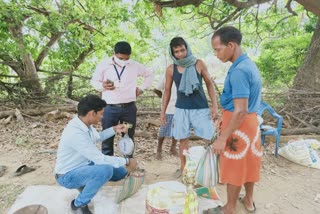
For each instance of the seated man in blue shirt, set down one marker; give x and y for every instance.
(80, 165)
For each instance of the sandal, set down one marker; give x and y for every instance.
(23, 170)
(216, 210)
(247, 209)
(177, 174)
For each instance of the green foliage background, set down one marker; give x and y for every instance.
(277, 46)
(280, 59)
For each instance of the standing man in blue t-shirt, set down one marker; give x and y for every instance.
(239, 142)
(192, 108)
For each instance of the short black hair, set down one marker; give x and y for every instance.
(122, 48)
(228, 34)
(177, 41)
(89, 103)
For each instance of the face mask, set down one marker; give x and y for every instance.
(121, 62)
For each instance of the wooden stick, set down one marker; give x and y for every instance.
(301, 121)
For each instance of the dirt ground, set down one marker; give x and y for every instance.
(285, 187)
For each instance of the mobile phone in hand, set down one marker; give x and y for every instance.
(110, 82)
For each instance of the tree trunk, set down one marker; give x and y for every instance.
(304, 97)
(311, 5)
(27, 71)
(70, 86)
(308, 76)
(29, 76)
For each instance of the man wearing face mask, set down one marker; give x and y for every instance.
(116, 77)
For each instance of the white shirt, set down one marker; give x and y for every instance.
(125, 88)
(172, 102)
(77, 147)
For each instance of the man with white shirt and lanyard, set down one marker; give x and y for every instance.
(116, 77)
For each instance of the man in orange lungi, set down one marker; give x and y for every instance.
(239, 142)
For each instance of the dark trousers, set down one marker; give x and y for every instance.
(112, 116)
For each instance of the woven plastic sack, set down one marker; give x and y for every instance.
(131, 184)
(302, 151)
(166, 198)
(126, 145)
(207, 173)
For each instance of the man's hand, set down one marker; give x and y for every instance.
(138, 92)
(108, 85)
(219, 145)
(163, 119)
(214, 113)
(132, 165)
(121, 128)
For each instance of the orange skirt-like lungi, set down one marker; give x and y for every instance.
(241, 161)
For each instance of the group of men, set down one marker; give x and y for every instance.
(80, 165)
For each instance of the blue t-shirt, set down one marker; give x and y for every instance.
(243, 81)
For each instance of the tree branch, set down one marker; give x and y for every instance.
(64, 74)
(83, 8)
(281, 20)
(288, 6)
(53, 39)
(77, 62)
(9, 61)
(3, 85)
(246, 4)
(56, 36)
(39, 10)
(8, 76)
(11, 64)
(85, 26)
(178, 3)
(234, 15)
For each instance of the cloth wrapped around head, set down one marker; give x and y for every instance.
(189, 80)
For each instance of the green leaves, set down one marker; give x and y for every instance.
(69, 37)
(280, 59)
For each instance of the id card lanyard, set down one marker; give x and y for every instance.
(119, 75)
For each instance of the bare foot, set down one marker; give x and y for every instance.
(158, 156)
(174, 152)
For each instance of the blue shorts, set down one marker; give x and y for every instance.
(166, 131)
(198, 119)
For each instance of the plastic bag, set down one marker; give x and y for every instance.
(302, 151)
(193, 156)
(207, 173)
(126, 145)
